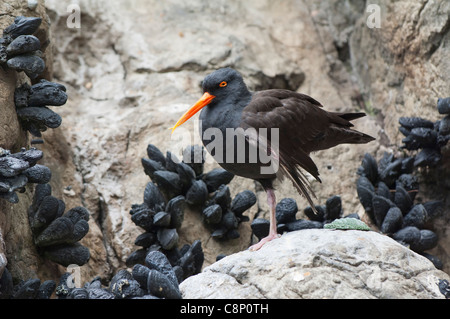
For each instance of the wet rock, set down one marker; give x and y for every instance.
(31, 64)
(23, 44)
(22, 26)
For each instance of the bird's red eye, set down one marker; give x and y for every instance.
(223, 84)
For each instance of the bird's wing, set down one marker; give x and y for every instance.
(301, 123)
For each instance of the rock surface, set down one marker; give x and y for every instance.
(320, 263)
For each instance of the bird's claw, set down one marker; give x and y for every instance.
(263, 241)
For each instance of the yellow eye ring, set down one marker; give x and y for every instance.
(223, 84)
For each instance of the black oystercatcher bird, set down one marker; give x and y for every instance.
(286, 125)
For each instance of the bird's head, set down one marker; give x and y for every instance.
(217, 86)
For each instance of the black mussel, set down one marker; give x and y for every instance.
(167, 237)
(192, 259)
(168, 182)
(66, 255)
(407, 165)
(300, 224)
(60, 231)
(136, 257)
(28, 289)
(365, 196)
(333, 208)
(10, 166)
(221, 197)
(229, 220)
(363, 181)
(444, 126)
(46, 289)
(217, 177)
(161, 219)
(38, 174)
(390, 172)
(443, 105)
(220, 256)
(140, 274)
(32, 156)
(420, 137)
(12, 184)
(175, 207)
(369, 168)
(158, 261)
(143, 217)
(392, 221)
(383, 190)
(172, 162)
(260, 227)
(31, 64)
(156, 155)
(78, 293)
(243, 201)
(197, 193)
(408, 236)
(153, 198)
(387, 159)
(428, 240)
(402, 199)
(417, 216)
(187, 175)
(444, 288)
(405, 131)
(428, 157)
(40, 192)
(285, 210)
(46, 213)
(219, 233)
(100, 293)
(47, 93)
(435, 260)
(22, 25)
(410, 183)
(39, 116)
(23, 44)
(380, 206)
(145, 240)
(413, 122)
(6, 284)
(150, 166)
(159, 285)
(319, 215)
(124, 286)
(194, 156)
(212, 214)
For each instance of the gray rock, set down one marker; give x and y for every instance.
(320, 263)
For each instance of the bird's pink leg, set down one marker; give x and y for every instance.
(273, 222)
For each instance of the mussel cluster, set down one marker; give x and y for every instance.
(31, 105)
(19, 49)
(387, 190)
(18, 169)
(426, 135)
(25, 289)
(285, 214)
(155, 279)
(56, 234)
(174, 186)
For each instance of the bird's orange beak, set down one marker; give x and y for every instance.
(204, 101)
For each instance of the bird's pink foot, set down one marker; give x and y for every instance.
(263, 241)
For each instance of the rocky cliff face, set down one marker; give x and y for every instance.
(130, 71)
